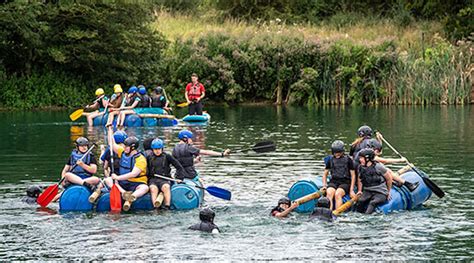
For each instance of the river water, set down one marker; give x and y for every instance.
(439, 140)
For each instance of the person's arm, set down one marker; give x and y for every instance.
(186, 94)
(180, 172)
(325, 177)
(287, 211)
(214, 153)
(91, 168)
(94, 105)
(359, 185)
(134, 173)
(66, 169)
(388, 180)
(106, 168)
(110, 138)
(353, 179)
(389, 160)
(203, 92)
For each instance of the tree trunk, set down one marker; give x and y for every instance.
(279, 98)
(472, 93)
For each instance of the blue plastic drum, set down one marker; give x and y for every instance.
(302, 188)
(141, 204)
(133, 120)
(75, 199)
(186, 196)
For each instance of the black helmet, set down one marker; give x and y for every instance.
(323, 202)
(368, 154)
(132, 142)
(337, 146)
(147, 143)
(284, 200)
(207, 215)
(82, 141)
(158, 90)
(364, 131)
(33, 191)
(375, 144)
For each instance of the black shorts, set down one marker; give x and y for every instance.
(346, 186)
(158, 182)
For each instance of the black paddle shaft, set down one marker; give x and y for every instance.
(266, 146)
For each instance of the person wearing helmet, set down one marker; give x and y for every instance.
(147, 151)
(206, 216)
(364, 134)
(374, 182)
(145, 99)
(32, 193)
(185, 153)
(195, 92)
(117, 101)
(97, 108)
(158, 99)
(322, 211)
(343, 177)
(119, 137)
(132, 101)
(159, 163)
(83, 173)
(376, 145)
(131, 175)
(284, 208)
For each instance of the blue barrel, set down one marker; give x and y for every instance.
(186, 196)
(100, 120)
(205, 117)
(142, 203)
(133, 120)
(150, 122)
(75, 199)
(302, 188)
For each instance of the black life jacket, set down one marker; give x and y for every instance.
(183, 155)
(158, 165)
(322, 213)
(146, 101)
(158, 101)
(204, 226)
(355, 149)
(276, 209)
(369, 176)
(129, 102)
(116, 161)
(340, 168)
(101, 102)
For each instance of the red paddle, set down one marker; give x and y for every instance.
(48, 195)
(115, 196)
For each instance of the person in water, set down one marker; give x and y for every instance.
(343, 177)
(284, 208)
(133, 100)
(195, 92)
(374, 180)
(322, 210)
(83, 173)
(185, 153)
(375, 145)
(96, 108)
(32, 193)
(131, 176)
(364, 134)
(206, 216)
(145, 99)
(159, 163)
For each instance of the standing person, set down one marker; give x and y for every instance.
(131, 177)
(364, 134)
(343, 176)
(284, 208)
(83, 173)
(374, 182)
(145, 99)
(195, 92)
(185, 152)
(133, 100)
(160, 163)
(97, 107)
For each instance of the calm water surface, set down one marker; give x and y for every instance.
(439, 140)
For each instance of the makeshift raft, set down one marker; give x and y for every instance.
(401, 197)
(134, 120)
(204, 118)
(183, 197)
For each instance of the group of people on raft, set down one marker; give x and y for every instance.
(122, 104)
(362, 167)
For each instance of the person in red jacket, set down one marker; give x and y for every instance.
(195, 92)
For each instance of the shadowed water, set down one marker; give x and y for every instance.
(439, 140)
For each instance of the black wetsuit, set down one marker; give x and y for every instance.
(322, 213)
(185, 154)
(161, 165)
(204, 227)
(374, 187)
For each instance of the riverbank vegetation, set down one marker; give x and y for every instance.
(377, 53)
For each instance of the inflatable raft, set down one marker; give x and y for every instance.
(134, 120)
(401, 197)
(204, 118)
(183, 197)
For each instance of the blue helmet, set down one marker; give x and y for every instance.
(185, 134)
(132, 89)
(157, 144)
(120, 136)
(142, 90)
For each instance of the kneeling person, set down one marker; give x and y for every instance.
(159, 163)
(206, 216)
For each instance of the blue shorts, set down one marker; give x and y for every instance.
(129, 186)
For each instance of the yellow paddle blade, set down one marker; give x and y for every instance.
(184, 104)
(76, 115)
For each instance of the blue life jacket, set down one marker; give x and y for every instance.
(75, 156)
(127, 162)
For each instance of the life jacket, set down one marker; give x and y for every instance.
(158, 101)
(355, 149)
(146, 101)
(158, 165)
(101, 102)
(127, 162)
(116, 159)
(195, 91)
(75, 156)
(369, 176)
(129, 102)
(204, 226)
(181, 153)
(277, 209)
(340, 168)
(322, 213)
(117, 101)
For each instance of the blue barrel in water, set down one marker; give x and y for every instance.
(186, 196)
(75, 199)
(142, 203)
(100, 120)
(133, 120)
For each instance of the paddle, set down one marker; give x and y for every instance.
(310, 197)
(48, 195)
(78, 113)
(346, 205)
(183, 104)
(261, 147)
(213, 190)
(431, 185)
(115, 196)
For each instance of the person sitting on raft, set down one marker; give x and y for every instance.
(185, 153)
(322, 210)
(97, 107)
(32, 193)
(284, 208)
(119, 137)
(375, 145)
(194, 93)
(158, 100)
(343, 176)
(374, 180)
(160, 163)
(116, 102)
(206, 216)
(132, 101)
(147, 151)
(83, 173)
(364, 135)
(131, 177)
